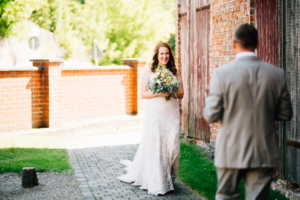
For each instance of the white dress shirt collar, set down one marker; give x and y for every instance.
(244, 54)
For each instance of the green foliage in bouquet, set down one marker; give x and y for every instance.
(163, 81)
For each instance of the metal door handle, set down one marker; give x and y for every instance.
(198, 116)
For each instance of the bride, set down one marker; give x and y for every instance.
(155, 164)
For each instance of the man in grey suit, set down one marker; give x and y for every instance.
(247, 95)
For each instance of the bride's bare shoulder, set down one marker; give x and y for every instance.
(147, 71)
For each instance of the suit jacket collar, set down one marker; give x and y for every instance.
(247, 58)
(245, 53)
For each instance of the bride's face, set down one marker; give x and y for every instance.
(163, 55)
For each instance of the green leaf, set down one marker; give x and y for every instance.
(123, 28)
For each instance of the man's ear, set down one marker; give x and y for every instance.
(233, 44)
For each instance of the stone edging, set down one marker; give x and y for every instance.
(34, 68)
(97, 68)
(9, 69)
(287, 193)
(135, 59)
(47, 60)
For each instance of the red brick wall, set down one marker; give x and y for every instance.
(30, 99)
(226, 16)
(21, 99)
(94, 93)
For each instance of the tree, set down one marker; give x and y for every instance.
(138, 27)
(172, 42)
(123, 28)
(12, 11)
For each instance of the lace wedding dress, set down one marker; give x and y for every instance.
(155, 164)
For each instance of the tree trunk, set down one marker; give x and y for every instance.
(29, 178)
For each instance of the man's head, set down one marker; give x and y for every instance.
(245, 39)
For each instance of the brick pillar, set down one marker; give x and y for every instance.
(138, 67)
(52, 90)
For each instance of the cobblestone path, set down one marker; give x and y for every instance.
(96, 170)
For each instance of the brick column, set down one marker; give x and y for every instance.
(52, 90)
(138, 65)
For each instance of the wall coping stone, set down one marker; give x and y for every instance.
(33, 68)
(135, 59)
(97, 68)
(47, 60)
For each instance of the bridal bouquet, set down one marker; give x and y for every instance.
(163, 81)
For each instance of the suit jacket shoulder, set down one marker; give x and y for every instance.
(225, 68)
(271, 67)
(223, 71)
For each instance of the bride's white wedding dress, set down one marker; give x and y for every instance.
(155, 165)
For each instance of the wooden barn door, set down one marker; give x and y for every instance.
(279, 44)
(268, 31)
(195, 21)
(199, 67)
(202, 63)
(185, 51)
(290, 62)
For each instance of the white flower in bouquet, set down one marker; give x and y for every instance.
(163, 81)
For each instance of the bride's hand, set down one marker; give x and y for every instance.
(163, 94)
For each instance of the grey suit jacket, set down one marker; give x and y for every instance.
(247, 95)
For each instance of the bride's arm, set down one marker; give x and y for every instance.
(180, 92)
(145, 94)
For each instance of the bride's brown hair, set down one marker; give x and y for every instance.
(170, 65)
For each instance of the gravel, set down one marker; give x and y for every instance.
(51, 186)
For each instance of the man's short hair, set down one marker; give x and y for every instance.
(246, 35)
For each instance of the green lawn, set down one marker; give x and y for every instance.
(14, 159)
(199, 173)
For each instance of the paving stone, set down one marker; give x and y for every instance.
(96, 170)
(87, 194)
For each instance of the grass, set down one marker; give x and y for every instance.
(198, 172)
(14, 159)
